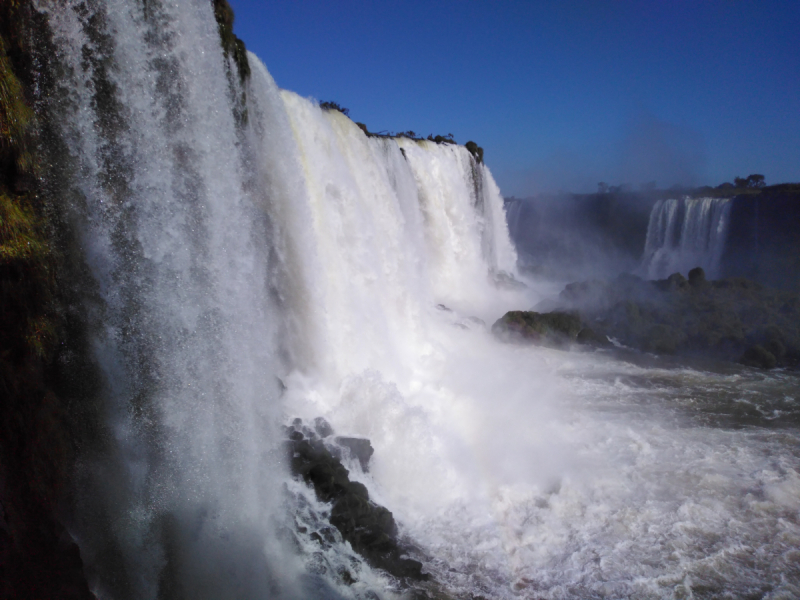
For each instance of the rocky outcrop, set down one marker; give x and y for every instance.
(732, 319)
(554, 329)
(316, 457)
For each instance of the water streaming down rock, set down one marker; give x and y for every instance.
(685, 233)
(175, 234)
(224, 253)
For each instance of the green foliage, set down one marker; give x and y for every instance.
(232, 46)
(442, 139)
(334, 106)
(15, 115)
(408, 134)
(475, 150)
(753, 181)
(26, 282)
(16, 121)
(20, 231)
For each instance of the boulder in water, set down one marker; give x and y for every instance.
(369, 528)
(360, 449)
(721, 319)
(555, 329)
(758, 356)
(590, 337)
(697, 277)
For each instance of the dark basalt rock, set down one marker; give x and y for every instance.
(555, 329)
(697, 277)
(322, 427)
(369, 528)
(360, 448)
(232, 46)
(673, 283)
(38, 410)
(590, 337)
(731, 319)
(758, 356)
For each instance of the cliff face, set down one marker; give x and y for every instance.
(50, 391)
(38, 558)
(763, 242)
(573, 237)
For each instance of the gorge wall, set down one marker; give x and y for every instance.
(185, 246)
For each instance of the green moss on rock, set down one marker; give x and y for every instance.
(475, 150)
(232, 46)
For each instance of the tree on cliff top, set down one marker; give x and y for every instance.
(753, 181)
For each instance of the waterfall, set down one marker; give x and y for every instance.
(227, 249)
(686, 233)
(245, 258)
(175, 233)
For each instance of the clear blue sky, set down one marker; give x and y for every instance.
(560, 94)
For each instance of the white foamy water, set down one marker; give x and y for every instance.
(686, 233)
(525, 472)
(360, 270)
(182, 499)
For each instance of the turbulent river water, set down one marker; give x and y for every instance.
(259, 260)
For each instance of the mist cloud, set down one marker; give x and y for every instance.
(661, 151)
(647, 149)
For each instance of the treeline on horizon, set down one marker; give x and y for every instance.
(753, 184)
(473, 148)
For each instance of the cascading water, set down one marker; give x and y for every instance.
(685, 233)
(227, 252)
(175, 235)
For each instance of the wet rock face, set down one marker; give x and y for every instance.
(554, 329)
(359, 448)
(760, 357)
(370, 529)
(731, 319)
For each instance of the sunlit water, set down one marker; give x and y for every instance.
(227, 254)
(532, 473)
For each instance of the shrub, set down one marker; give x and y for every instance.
(335, 106)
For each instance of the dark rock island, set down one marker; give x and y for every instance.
(731, 319)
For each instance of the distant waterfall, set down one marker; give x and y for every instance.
(686, 233)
